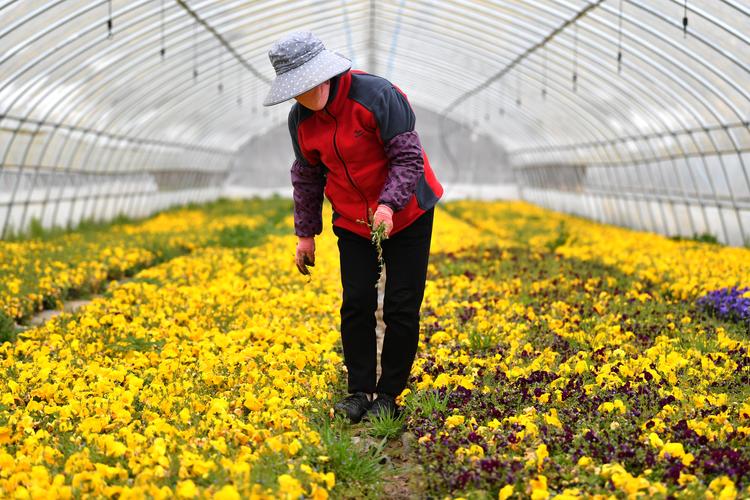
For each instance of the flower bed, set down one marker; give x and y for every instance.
(572, 359)
(41, 273)
(732, 304)
(558, 358)
(194, 377)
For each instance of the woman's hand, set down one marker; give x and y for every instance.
(383, 215)
(305, 254)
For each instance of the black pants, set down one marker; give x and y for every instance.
(406, 255)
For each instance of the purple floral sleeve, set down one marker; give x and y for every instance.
(407, 165)
(308, 182)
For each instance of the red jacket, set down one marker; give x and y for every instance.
(361, 148)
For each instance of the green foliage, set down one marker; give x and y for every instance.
(239, 237)
(353, 466)
(274, 211)
(36, 230)
(561, 239)
(8, 330)
(482, 341)
(699, 238)
(706, 238)
(276, 207)
(386, 425)
(427, 402)
(358, 467)
(378, 236)
(267, 468)
(132, 343)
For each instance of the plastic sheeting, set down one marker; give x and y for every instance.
(646, 102)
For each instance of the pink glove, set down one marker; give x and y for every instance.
(305, 254)
(383, 215)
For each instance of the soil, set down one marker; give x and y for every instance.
(403, 479)
(71, 306)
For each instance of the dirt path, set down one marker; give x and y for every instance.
(403, 479)
(70, 306)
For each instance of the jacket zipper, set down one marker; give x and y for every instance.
(343, 163)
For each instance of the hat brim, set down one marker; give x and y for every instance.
(299, 80)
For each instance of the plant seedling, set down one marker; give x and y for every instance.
(386, 425)
(377, 237)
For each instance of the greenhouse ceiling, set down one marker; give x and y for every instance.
(192, 73)
(173, 85)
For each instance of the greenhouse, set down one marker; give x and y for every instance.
(375, 249)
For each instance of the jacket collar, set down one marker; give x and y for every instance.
(339, 89)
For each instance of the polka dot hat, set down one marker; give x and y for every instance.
(301, 63)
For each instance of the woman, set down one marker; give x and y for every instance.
(354, 139)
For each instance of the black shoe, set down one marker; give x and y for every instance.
(353, 406)
(385, 404)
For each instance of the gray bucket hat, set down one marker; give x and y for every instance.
(301, 63)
